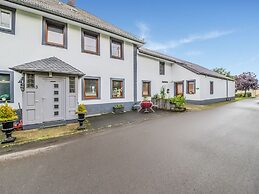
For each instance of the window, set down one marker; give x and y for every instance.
(6, 86)
(191, 87)
(30, 81)
(116, 49)
(91, 88)
(117, 88)
(72, 85)
(55, 33)
(90, 42)
(7, 19)
(146, 88)
(211, 87)
(162, 68)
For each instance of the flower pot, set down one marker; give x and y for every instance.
(8, 130)
(81, 119)
(118, 110)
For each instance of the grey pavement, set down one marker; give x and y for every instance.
(211, 151)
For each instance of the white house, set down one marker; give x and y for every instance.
(54, 56)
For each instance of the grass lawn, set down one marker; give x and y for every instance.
(23, 137)
(192, 107)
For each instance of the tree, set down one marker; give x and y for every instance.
(223, 71)
(246, 81)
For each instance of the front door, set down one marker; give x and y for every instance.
(53, 99)
(179, 89)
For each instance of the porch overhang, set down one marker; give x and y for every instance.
(48, 65)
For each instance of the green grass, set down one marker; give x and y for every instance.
(23, 137)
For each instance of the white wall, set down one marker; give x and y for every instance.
(26, 46)
(148, 70)
(220, 88)
(181, 74)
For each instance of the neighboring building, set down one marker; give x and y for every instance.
(54, 56)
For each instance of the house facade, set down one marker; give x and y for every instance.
(55, 56)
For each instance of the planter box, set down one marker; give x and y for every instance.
(118, 110)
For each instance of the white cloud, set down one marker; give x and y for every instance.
(145, 30)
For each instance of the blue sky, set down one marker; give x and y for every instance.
(216, 33)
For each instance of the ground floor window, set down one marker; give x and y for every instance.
(146, 88)
(6, 86)
(117, 87)
(91, 88)
(179, 88)
(191, 87)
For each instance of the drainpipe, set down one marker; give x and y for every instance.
(135, 73)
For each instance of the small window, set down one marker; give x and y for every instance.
(90, 42)
(162, 68)
(117, 88)
(7, 19)
(55, 33)
(72, 85)
(55, 85)
(56, 113)
(56, 106)
(211, 87)
(5, 87)
(91, 88)
(56, 99)
(56, 93)
(146, 88)
(30, 81)
(191, 87)
(116, 49)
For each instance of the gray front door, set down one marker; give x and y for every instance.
(53, 99)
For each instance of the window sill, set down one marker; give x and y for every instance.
(91, 53)
(55, 45)
(119, 58)
(7, 31)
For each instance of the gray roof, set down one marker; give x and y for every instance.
(51, 64)
(75, 14)
(187, 65)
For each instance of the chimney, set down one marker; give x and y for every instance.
(71, 2)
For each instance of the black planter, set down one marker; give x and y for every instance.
(8, 130)
(81, 119)
(118, 110)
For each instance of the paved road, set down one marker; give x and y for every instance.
(213, 151)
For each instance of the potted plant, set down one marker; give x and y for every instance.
(119, 108)
(7, 118)
(81, 112)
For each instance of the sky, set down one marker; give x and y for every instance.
(211, 33)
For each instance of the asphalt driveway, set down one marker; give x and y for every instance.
(212, 151)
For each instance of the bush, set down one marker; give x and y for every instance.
(7, 113)
(118, 106)
(179, 101)
(239, 95)
(248, 94)
(81, 109)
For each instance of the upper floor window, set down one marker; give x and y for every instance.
(90, 42)
(7, 19)
(191, 87)
(117, 49)
(6, 86)
(211, 87)
(162, 68)
(54, 33)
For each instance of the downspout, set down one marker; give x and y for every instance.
(227, 90)
(135, 73)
